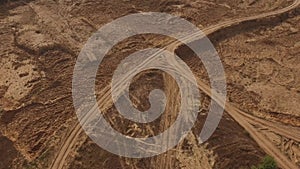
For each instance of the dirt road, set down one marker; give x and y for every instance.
(105, 101)
(245, 120)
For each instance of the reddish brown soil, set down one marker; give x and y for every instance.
(40, 41)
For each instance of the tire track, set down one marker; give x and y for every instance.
(105, 101)
(245, 120)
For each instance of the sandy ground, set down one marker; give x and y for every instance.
(40, 41)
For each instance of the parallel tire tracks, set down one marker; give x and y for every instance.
(245, 120)
(105, 101)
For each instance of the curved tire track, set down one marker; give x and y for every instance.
(105, 101)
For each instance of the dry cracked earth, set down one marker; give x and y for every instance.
(40, 41)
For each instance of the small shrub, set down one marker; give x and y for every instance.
(267, 163)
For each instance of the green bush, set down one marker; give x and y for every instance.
(267, 163)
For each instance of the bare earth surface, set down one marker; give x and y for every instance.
(258, 43)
